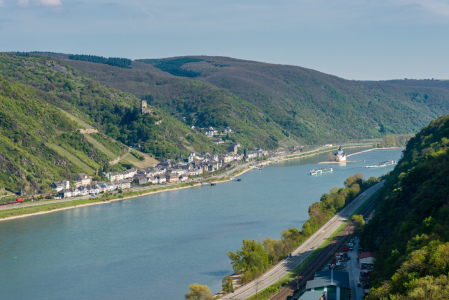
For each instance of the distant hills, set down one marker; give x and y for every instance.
(266, 105)
(302, 104)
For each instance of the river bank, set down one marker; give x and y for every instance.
(78, 203)
(155, 246)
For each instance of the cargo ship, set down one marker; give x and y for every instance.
(383, 164)
(321, 171)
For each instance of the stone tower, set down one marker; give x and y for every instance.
(145, 109)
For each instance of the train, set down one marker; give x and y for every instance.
(18, 200)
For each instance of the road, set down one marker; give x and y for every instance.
(303, 251)
(353, 270)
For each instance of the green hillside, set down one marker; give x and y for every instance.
(39, 144)
(44, 103)
(109, 110)
(410, 232)
(285, 101)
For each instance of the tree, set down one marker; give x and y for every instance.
(226, 284)
(198, 292)
(252, 257)
(358, 220)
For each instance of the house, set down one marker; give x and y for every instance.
(165, 164)
(60, 185)
(233, 148)
(129, 173)
(173, 178)
(227, 130)
(195, 171)
(67, 193)
(183, 178)
(238, 156)
(140, 179)
(366, 260)
(161, 179)
(83, 190)
(217, 142)
(82, 179)
(102, 187)
(110, 186)
(334, 283)
(152, 180)
(123, 184)
(114, 176)
(319, 295)
(93, 189)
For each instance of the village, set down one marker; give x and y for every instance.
(167, 171)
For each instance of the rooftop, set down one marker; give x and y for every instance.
(329, 278)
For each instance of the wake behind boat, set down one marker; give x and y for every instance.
(321, 171)
(383, 164)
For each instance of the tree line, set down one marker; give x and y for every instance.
(112, 61)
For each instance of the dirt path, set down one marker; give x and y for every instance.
(89, 130)
(115, 161)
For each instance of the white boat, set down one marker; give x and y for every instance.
(383, 164)
(321, 171)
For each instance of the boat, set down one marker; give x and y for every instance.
(239, 179)
(387, 163)
(383, 164)
(321, 171)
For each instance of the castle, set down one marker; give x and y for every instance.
(145, 109)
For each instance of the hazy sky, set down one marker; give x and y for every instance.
(353, 39)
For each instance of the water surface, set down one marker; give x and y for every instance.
(155, 246)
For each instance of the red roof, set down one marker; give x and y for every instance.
(366, 254)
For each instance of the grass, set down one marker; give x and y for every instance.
(100, 146)
(6, 194)
(80, 122)
(72, 158)
(148, 162)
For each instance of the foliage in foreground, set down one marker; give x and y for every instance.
(410, 232)
(198, 292)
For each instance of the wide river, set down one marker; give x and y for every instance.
(155, 246)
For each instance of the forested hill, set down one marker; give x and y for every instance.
(306, 105)
(410, 231)
(44, 103)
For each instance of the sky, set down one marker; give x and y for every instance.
(352, 39)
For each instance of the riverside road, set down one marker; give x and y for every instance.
(302, 252)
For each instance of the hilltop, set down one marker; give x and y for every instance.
(289, 103)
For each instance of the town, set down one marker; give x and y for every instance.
(167, 171)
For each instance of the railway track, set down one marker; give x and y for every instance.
(321, 260)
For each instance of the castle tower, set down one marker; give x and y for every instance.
(145, 109)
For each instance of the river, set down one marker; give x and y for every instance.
(155, 246)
